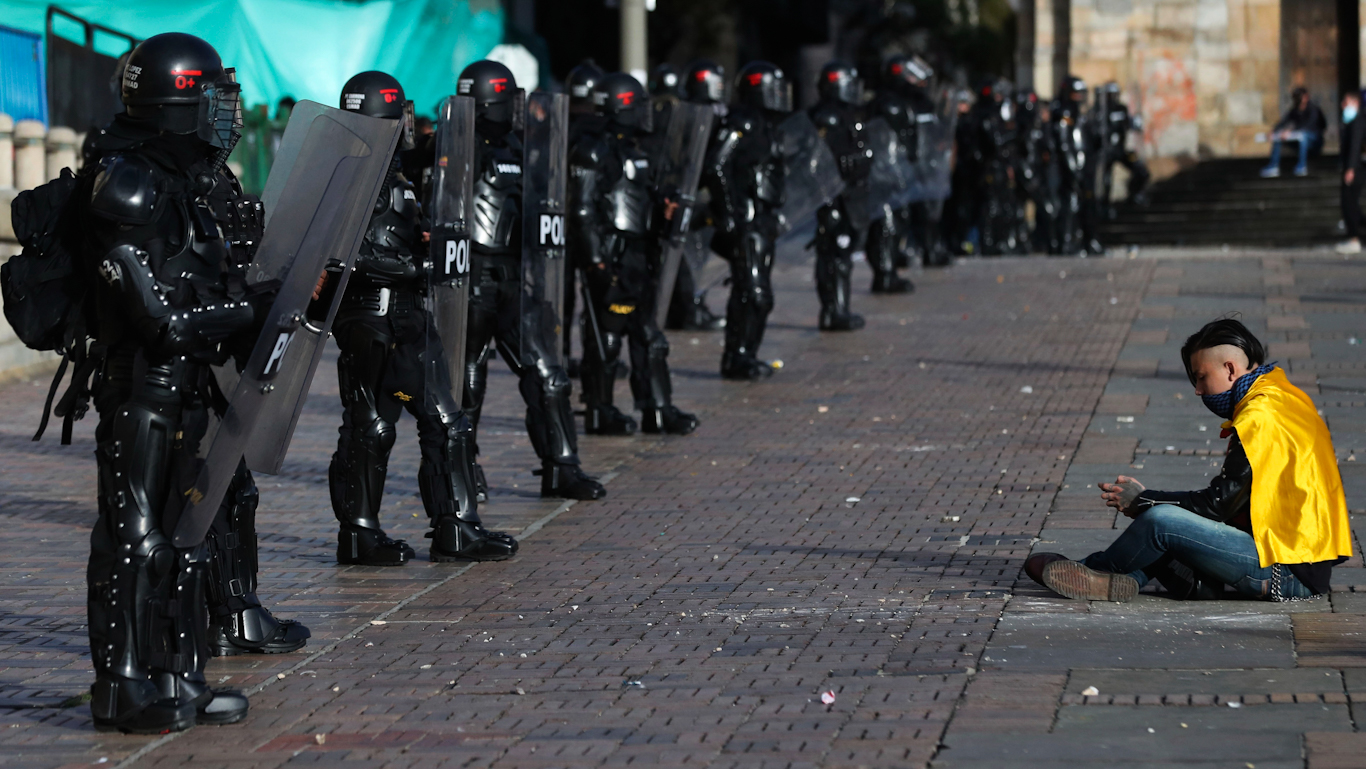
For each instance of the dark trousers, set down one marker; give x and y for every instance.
(1351, 206)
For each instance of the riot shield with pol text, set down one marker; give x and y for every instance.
(812, 175)
(318, 198)
(686, 144)
(449, 208)
(544, 205)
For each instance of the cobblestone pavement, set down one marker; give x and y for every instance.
(851, 530)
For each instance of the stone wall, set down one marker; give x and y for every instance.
(1205, 74)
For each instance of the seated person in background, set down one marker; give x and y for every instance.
(1271, 525)
(1303, 123)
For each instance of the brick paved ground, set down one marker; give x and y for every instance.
(855, 525)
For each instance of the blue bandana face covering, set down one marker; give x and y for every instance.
(1223, 403)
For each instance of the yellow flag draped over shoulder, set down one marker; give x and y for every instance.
(1299, 513)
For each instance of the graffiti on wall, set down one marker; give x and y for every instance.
(1167, 102)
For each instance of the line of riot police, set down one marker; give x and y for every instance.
(1016, 153)
(197, 314)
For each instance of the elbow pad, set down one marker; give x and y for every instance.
(192, 330)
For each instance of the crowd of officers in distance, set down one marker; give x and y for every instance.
(163, 241)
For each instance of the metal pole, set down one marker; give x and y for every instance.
(634, 56)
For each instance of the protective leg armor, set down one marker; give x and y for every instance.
(650, 383)
(147, 617)
(361, 463)
(602, 343)
(834, 267)
(238, 623)
(447, 482)
(751, 300)
(884, 239)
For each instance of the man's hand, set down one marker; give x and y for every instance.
(670, 206)
(318, 288)
(1122, 494)
(1348, 176)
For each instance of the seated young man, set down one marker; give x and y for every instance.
(1271, 525)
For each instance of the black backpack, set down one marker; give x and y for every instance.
(45, 289)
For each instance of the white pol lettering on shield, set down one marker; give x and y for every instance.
(277, 355)
(552, 229)
(457, 257)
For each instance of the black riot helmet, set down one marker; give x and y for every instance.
(379, 94)
(496, 95)
(904, 73)
(580, 84)
(705, 82)
(839, 81)
(666, 80)
(1072, 89)
(763, 85)
(623, 100)
(178, 82)
(1112, 92)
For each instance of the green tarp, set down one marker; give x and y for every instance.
(308, 48)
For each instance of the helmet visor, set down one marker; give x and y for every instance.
(409, 138)
(777, 94)
(220, 112)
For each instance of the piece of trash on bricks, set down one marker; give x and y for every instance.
(633, 684)
(1235, 704)
(853, 499)
(951, 519)
(1126, 420)
(378, 622)
(1090, 691)
(1026, 389)
(828, 697)
(320, 738)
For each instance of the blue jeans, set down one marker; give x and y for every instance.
(1308, 141)
(1217, 550)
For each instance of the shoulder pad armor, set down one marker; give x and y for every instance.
(125, 189)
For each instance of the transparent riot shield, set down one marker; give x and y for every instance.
(891, 177)
(322, 185)
(686, 144)
(933, 166)
(812, 176)
(544, 204)
(450, 208)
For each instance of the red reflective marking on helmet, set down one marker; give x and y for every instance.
(833, 77)
(390, 95)
(194, 72)
(626, 98)
(182, 82)
(499, 84)
(896, 69)
(756, 78)
(702, 74)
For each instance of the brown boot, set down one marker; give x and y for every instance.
(1073, 580)
(1033, 567)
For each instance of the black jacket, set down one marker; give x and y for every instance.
(1308, 119)
(1352, 134)
(1227, 500)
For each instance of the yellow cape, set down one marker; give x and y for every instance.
(1299, 513)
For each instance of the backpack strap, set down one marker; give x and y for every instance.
(52, 394)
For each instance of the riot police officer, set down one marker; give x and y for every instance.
(993, 118)
(745, 175)
(902, 101)
(169, 294)
(666, 82)
(496, 288)
(703, 83)
(619, 215)
(841, 223)
(1076, 170)
(387, 340)
(1114, 123)
(584, 117)
(1033, 158)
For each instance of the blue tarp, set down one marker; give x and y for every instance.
(308, 48)
(22, 95)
